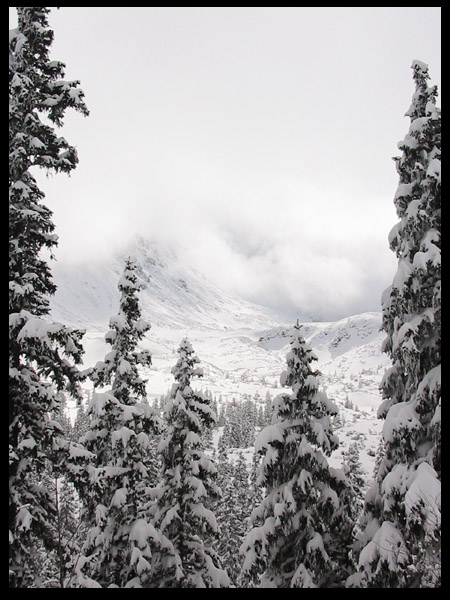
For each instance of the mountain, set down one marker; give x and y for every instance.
(242, 346)
(174, 295)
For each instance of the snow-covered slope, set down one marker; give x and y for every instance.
(352, 365)
(242, 347)
(174, 294)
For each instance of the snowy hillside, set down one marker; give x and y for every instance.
(174, 295)
(242, 346)
(352, 365)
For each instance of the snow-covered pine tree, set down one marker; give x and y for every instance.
(240, 423)
(249, 416)
(122, 548)
(401, 541)
(256, 491)
(231, 435)
(82, 422)
(222, 506)
(352, 502)
(268, 409)
(54, 565)
(233, 510)
(240, 506)
(68, 530)
(187, 484)
(356, 476)
(42, 355)
(49, 561)
(293, 541)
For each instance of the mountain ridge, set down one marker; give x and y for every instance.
(173, 295)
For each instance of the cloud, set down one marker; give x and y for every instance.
(309, 249)
(259, 140)
(292, 249)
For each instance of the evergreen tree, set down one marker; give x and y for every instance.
(356, 477)
(207, 429)
(42, 355)
(82, 422)
(268, 409)
(68, 529)
(241, 505)
(256, 491)
(121, 549)
(222, 506)
(54, 566)
(260, 421)
(402, 510)
(248, 423)
(293, 542)
(379, 456)
(231, 430)
(221, 417)
(232, 511)
(240, 423)
(187, 484)
(352, 501)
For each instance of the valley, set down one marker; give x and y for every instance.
(242, 347)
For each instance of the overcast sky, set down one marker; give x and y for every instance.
(259, 138)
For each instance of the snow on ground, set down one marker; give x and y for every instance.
(242, 347)
(239, 363)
